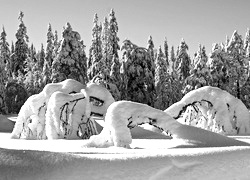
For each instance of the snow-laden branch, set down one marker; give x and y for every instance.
(212, 109)
(122, 115)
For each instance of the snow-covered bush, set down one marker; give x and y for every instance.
(68, 116)
(123, 115)
(66, 95)
(212, 109)
(35, 108)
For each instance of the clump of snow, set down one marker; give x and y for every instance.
(212, 109)
(122, 115)
(30, 123)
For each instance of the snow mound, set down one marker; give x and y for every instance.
(212, 109)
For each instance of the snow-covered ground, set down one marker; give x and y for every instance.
(152, 156)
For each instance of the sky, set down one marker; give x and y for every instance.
(197, 21)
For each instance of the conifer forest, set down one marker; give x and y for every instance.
(157, 76)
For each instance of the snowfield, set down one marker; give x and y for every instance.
(148, 158)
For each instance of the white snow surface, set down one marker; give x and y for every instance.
(147, 159)
(218, 111)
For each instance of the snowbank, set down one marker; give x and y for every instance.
(212, 109)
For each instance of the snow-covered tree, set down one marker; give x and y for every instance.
(182, 61)
(200, 74)
(161, 77)
(212, 109)
(112, 38)
(238, 65)
(4, 72)
(49, 46)
(105, 48)
(41, 58)
(21, 47)
(150, 47)
(172, 61)
(71, 61)
(56, 44)
(166, 51)
(137, 76)
(5, 57)
(95, 50)
(218, 68)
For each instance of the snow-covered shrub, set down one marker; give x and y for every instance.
(123, 115)
(30, 123)
(212, 109)
(35, 107)
(68, 116)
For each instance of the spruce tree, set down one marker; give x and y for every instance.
(137, 74)
(182, 61)
(247, 44)
(21, 47)
(105, 45)
(41, 58)
(161, 78)
(71, 61)
(218, 67)
(4, 61)
(113, 62)
(95, 50)
(49, 46)
(200, 74)
(150, 48)
(5, 57)
(166, 51)
(113, 38)
(238, 65)
(172, 61)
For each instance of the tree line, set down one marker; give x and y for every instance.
(158, 77)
